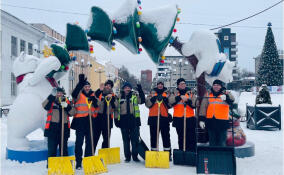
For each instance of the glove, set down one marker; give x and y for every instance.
(223, 97)
(53, 92)
(64, 104)
(117, 123)
(202, 124)
(153, 99)
(81, 78)
(139, 88)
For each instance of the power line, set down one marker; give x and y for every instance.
(180, 23)
(202, 24)
(248, 16)
(46, 10)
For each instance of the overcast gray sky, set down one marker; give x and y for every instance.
(250, 33)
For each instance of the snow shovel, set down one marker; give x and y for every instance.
(157, 159)
(93, 164)
(183, 157)
(142, 148)
(61, 165)
(110, 155)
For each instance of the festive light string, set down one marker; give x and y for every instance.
(180, 23)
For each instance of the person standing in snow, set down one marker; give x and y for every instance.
(214, 111)
(127, 118)
(263, 96)
(82, 95)
(105, 94)
(159, 94)
(54, 104)
(180, 99)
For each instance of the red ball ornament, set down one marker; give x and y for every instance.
(113, 21)
(140, 49)
(162, 61)
(175, 30)
(66, 68)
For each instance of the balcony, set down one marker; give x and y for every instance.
(234, 43)
(234, 56)
(234, 49)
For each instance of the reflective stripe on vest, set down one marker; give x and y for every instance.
(179, 109)
(153, 111)
(134, 102)
(50, 113)
(218, 108)
(82, 109)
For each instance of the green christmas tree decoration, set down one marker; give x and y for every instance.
(153, 28)
(76, 38)
(100, 27)
(61, 53)
(126, 26)
(270, 71)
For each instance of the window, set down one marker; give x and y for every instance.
(22, 46)
(30, 48)
(13, 85)
(14, 46)
(226, 38)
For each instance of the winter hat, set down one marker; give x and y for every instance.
(109, 82)
(127, 84)
(217, 81)
(160, 81)
(180, 80)
(87, 83)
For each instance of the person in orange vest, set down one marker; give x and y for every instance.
(82, 95)
(54, 104)
(214, 113)
(159, 94)
(104, 93)
(180, 99)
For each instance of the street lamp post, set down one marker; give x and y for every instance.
(99, 70)
(82, 65)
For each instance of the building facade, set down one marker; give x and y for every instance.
(229, 47)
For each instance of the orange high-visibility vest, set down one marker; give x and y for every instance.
(218, 108)
(153, 111)
(179, 109)
(82, 109)
(49, 116)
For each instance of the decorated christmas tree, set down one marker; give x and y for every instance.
(269, 71)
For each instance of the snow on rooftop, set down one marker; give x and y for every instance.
(163, 18)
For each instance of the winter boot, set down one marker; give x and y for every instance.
(78, 166)
(127, 159)
(135, 159)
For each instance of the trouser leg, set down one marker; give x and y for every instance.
(65, 147)
(153, 138)
(88, 145)
(78, 146)
(191, 135)
(212, 137)
(134, 138)
(179, 131)
(105, 134)
(126, 142)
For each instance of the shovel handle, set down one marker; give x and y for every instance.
(91, 125)
(108, 129)
(158, 122)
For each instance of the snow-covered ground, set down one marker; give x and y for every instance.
(268, 159)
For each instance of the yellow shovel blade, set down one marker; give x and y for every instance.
(94, 165)
(157, 159)
(110, 155)
(61, 165)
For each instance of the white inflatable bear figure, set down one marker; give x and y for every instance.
(27, 113)
(204, 45)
